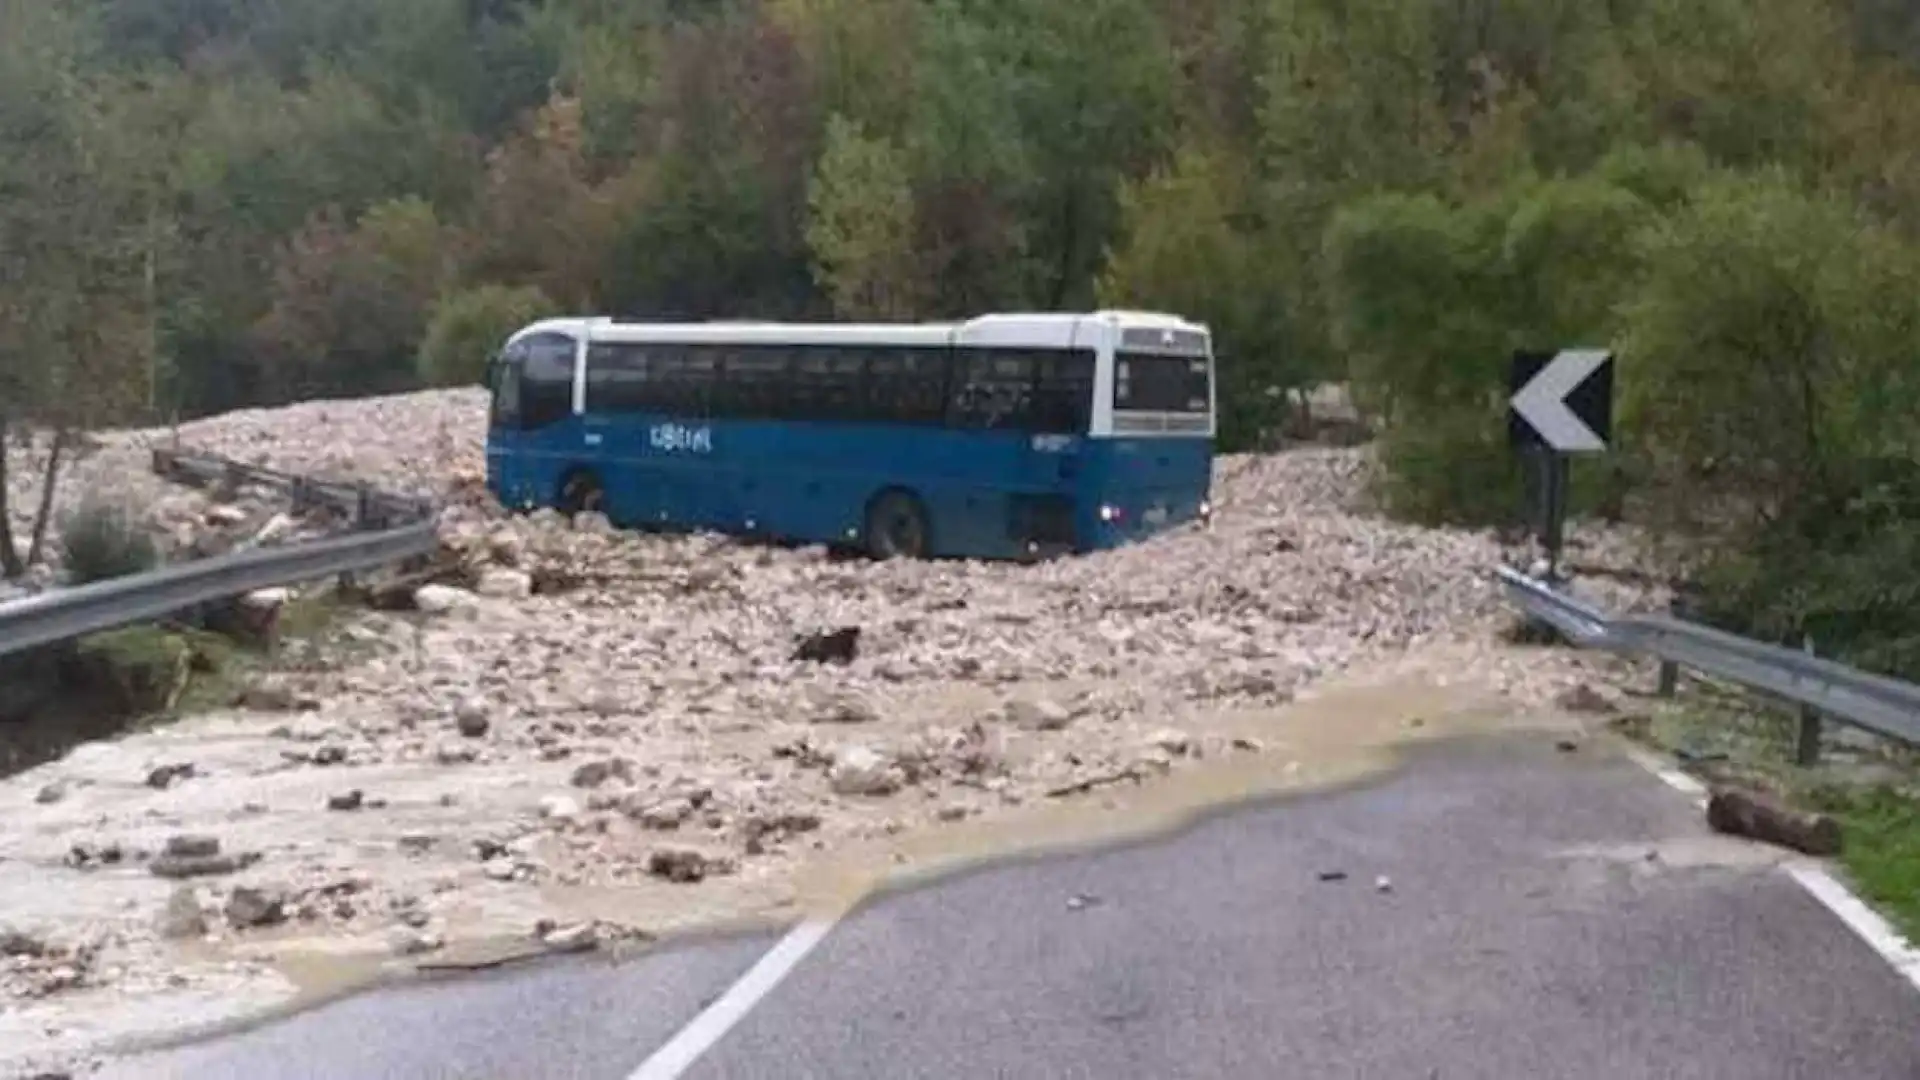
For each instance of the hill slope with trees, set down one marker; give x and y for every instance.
(214, 203)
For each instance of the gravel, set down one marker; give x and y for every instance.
(526, 741)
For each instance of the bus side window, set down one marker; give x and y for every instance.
(546, 381)
(992, 389)
(617, 378)
(755, 383)
(1062, 401)
(682, 378)
(830, 384)
(908, 386)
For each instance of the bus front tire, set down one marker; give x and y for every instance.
(897, 527)
(581, 493)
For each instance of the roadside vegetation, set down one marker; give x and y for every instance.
(1871, 786)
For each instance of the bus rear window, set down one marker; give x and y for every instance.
(1144, 382)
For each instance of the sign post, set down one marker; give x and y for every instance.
(1559, 404)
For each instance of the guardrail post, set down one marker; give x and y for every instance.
(1807, 746)
(1669, 678)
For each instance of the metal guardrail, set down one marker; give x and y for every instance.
(389, 529)
(1884, 706)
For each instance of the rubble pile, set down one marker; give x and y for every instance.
(687, 719)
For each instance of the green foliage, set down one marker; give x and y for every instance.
(101, 541)
(468, 327)
(1185, 250)
(860, 225)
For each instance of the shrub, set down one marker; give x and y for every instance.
(468, 327)
(101, 541)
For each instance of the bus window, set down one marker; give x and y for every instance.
(908, 386)
(1145, 382)
(617, 378)
(546, 381)
(503, 378)
(1062, 392)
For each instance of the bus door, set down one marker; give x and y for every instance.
(507, 473)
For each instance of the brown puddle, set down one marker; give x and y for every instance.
(1344, 731)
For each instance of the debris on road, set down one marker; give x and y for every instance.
(538, 655)
(1763, 817)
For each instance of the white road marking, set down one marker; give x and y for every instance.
(730, 1008)
(1832, 893)
(1861, 919)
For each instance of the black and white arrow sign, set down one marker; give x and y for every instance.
(1562, 401)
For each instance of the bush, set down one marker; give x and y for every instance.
(468, 327)
(101, 542)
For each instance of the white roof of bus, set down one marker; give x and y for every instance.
(1035, 328)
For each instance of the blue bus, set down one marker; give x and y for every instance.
(1002, 437)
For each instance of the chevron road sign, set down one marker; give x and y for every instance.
(1561, 401)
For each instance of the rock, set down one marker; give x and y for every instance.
(456, 755)
(758, 829)
(668, 813)
(346, 800)
(578, 937)
(249, 908)
(860, 770)
(559, 808)
(850, 709)
(20, 943)
(504, 584)
(444, 600)
(191, 866)
(1042, 715)
(1173, 741)
(506, 547)
(1762, 817)
(473, 717)
(1581, 698)
(417, 843)
(225, 516)
(500, 869)
(330, 755)
(413, 941)
(1382, 884)
(595, 773)
(953, 812)
(273, 697)
(684, 866)
(832, 647)
(50, 794)
(165, 776)
(192, 845)
(183, 916)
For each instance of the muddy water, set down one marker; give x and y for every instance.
(1347, 731)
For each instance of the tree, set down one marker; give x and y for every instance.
(350, 303)
(860, 225)
(1186, 250)
(468, 327)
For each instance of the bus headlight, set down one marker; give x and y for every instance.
(1110, 514)
(1206, 509)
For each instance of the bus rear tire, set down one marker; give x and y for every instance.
(897, 527)
(581, 493)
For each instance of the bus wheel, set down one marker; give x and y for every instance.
(581, 494)
(897, 527)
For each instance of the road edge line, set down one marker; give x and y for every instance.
(703, 1031)
(1833, 894)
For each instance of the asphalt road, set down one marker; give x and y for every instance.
(1548, 916)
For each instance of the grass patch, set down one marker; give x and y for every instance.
(53, 699)
(1871, 787)
(1882, 854)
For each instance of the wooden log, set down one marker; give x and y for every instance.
(1764, 818)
